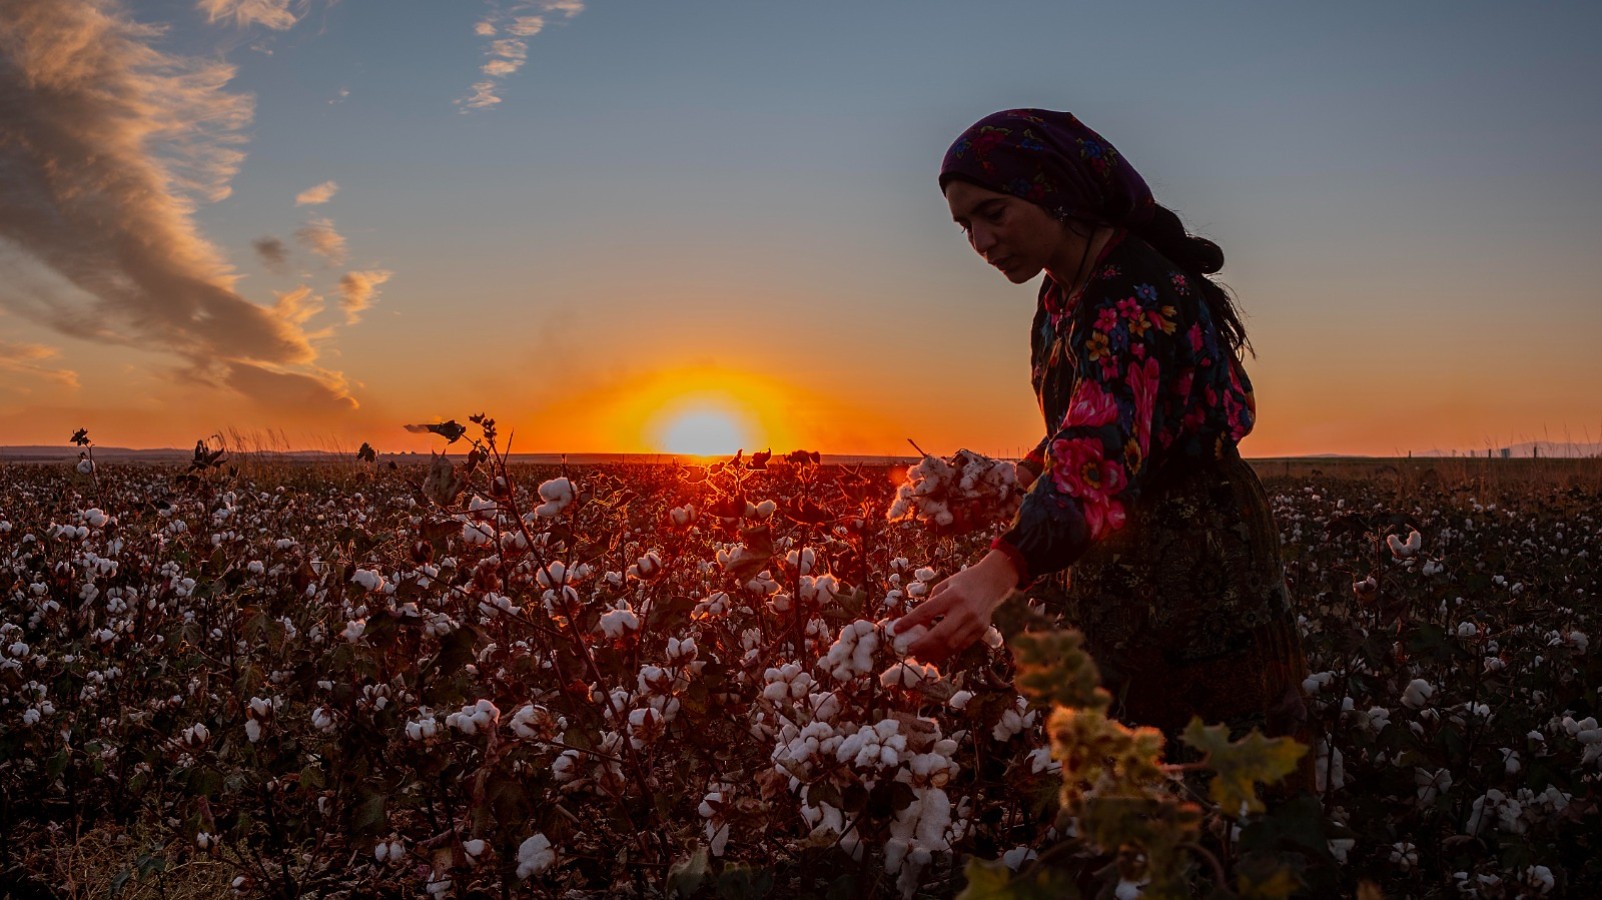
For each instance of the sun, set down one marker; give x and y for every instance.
(704, 431)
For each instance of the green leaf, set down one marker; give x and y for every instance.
(742, 882)
(686, 875)
(368, 815)
(992, 880)
(1053, 668)
(1239, 765)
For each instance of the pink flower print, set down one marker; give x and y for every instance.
(1142, 381)
(1091, 406)
(1183, 382)
(1130, 309)
(1180, 284)
(1195, 336)
(1080, 469)
(1106, 320)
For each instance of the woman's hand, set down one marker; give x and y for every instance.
(1025, 474)
(966, 600)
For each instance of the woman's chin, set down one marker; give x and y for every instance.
(1020, 274)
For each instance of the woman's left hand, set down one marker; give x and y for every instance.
(966, 600)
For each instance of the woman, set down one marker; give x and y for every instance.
(1177, 579)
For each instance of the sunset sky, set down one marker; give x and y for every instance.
(629, 225)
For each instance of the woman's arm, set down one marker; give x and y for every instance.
(1094, 463)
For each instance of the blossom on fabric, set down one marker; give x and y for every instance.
(1091, 406)
(1080, 469)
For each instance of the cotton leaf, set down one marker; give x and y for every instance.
(1251, 759)
(1054, 668)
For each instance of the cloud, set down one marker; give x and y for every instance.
(107, 146)
(357, 290)
(295, 392)
(313, 196)
(298, 305)
(31, 361)
(521, 20)
(318, 236)
(273, 14)
(273, 252)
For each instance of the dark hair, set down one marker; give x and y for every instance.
(1199, 257)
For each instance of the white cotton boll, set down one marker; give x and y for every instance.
(1329, 767)
(903, 641)
(618, 622)
(1467, 629)
(960, 699)
(909, 674)
(534, 855)
(1417, 693)
(203, 840)
(926, 574)
(1316, 682)
(474, 847)
(1017, 856)
(1539, 878)
(354, 630)
(766, 509)
(369, 579)
(1404, 549)
(252, 730)
(85, 466)
(1404, 854)
(1040, 761)
(1339, 847)
(1510, 761)
(565, 767)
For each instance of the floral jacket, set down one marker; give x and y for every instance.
(1132, 376)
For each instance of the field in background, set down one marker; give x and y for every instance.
(270, 677)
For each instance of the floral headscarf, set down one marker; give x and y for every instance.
(1052, 160)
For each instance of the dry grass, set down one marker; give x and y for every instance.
(125, 863)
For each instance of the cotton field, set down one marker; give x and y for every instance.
(480, 680)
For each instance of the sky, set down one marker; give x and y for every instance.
(647, 225)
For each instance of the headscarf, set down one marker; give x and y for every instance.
(1052, 160)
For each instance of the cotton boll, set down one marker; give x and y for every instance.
(534, 856)
(1417, 693)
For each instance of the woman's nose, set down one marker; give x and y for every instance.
(982, 239)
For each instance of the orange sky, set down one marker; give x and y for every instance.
(638, 229)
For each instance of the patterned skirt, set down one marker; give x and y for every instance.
(1185, 608)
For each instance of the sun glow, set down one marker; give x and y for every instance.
(704, 431)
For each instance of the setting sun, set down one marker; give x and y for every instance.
(704, 432)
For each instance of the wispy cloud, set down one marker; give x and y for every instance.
(107, 143)
(273, 252)
(298, 305)
(318, 236)
(357, 290)
(509, 28)
(318, 194)
(274, 14)
(33, 362)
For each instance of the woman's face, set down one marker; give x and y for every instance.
(1012, 234)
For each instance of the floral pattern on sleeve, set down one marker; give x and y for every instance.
(1132, 377)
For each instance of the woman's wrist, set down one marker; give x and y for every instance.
(1002, 569)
